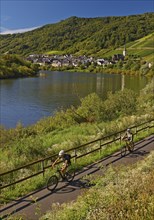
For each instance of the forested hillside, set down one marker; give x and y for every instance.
(13, 66)
(74, 34)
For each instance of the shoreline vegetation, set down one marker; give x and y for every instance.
(14, 66)
(112, 69)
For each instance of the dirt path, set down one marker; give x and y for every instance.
(65, 192)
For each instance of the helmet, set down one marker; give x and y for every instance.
(61, 153)
(128, 129)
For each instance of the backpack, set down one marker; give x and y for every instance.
(67, 157)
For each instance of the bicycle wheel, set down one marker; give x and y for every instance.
(52, 182)
(69, 175)
(123, 151)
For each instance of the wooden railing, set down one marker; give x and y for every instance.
(38, 167)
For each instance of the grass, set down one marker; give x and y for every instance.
(55, 52)
(140, 52)
(147, 41)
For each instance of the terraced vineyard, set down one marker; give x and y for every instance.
(144, 48)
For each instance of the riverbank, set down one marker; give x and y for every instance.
(13, 66)
(141, 71)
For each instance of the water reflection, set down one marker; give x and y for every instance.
(29, 99)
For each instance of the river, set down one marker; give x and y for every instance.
(26, 100)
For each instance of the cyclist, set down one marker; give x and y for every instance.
(128, 137)
(66, 158)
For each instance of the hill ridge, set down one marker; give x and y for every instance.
(80, 35)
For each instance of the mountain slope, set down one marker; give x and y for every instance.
(74, 34)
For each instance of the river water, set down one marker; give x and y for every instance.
(29, 99)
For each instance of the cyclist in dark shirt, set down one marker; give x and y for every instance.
(66, 158)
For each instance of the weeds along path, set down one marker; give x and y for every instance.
(35, 204)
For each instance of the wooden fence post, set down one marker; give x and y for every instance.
(136, 131)
(120, 138)
(12, 178)
(75, 156)
(43, 167)
(100, 147)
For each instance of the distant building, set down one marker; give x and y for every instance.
(100, 62)
(149, 65)
(56, 63)
(117, 57)
(124, 51)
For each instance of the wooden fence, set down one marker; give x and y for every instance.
(38, 167)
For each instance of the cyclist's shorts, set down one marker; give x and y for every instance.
(68, 164)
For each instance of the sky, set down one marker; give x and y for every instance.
(20, 15)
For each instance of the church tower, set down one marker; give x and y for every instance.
(124, 51)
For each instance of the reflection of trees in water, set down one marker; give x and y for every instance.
(43, 96)
(107, 83)
(122, 82)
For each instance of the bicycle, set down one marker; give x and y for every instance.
(129, 146)
(54, 179)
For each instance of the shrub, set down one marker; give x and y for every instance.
(90, 109)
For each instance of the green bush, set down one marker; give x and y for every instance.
(90, 109)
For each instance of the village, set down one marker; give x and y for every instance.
(71, 60)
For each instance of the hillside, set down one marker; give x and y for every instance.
(73, 34)
(143, 47)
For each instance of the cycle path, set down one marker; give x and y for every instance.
(26, 208)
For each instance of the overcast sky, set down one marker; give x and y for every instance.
(19, 16)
